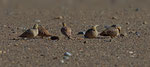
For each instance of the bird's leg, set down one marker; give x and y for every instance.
(112, 38)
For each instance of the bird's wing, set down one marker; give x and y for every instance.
(27, 33)
(43, 32)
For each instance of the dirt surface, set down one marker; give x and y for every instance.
(132, 50)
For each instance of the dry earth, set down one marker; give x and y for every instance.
(132, 50)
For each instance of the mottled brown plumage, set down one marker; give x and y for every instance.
(30, 33)
(66, 31)
(112, 31)
(91, 33)
(43, 32)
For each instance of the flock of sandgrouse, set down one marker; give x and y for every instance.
(39, 30)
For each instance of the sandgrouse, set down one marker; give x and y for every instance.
(91, 33)
(66, 31)
(43, 32)
(30, 33)
(112, 31)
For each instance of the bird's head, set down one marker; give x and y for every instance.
(94, 27)
(35, 26)
(117, 27)
(64, 24)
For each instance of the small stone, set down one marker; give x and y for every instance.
(0, 52)
(144, 22)
(4, 25)
(4, 52)
(14, 39)
(137, 9)
(114, 17)
(128, 28)
(25, 38)
(38, 20)
(127, 23)
(16, 44)
(131, 52)
(59, 17)
(62, 61)
(42, 55)
(137, 33)
(67, 54)
(133, 55)
(81, 33)
(66, 57)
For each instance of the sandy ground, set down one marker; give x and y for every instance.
(132, 50)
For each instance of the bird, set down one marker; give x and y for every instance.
(66, 31)
(111, 31)
(91, 33)
(30, 33)
(43, 32)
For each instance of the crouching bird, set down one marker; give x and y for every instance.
(66, 31)
(91, 33)
(112, 31)
(43, 32)
(30, 33)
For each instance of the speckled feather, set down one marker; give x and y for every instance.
(43, 32)
(112, 32)
(91, 33)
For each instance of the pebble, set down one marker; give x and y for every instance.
(144, 22)
(38, 20)
(128, 28)
(131, 52)
(137, 9)
(114, 17)
(4, 25)
(59, 17)
(127, 23)
(16, 44)
(4, 52)
(0, 52)
(66, 57)
(62, 61)
(81, 33)
(137, 33)
(67, 54)
(133, 55)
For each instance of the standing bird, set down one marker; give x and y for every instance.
(112, 31)
(30, 33)
(91, 33)
(43, 32)
(66, 31)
